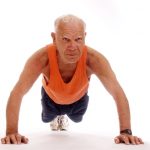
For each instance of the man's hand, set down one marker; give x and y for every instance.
(128, 139)
(14, 139)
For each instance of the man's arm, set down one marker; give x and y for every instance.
(102, 69)
(33, 68)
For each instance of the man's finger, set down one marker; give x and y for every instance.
(140, 140)
(3, 141)
(13, 139)
(24, 140)
(117, 140)
(18, 137)
(125, 139)
(7, 139)
(136, 139)
(132, 140)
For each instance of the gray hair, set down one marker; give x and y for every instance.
(68, 18)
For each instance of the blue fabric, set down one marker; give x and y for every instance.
(74, 111)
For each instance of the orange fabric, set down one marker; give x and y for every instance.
(59, 91)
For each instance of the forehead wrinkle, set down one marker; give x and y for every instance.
(70, 27)
(70, 33)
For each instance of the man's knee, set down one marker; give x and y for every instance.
(48, 118)
(76, 119)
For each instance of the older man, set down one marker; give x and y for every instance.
(66, 65)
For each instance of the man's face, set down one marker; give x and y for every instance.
(69, 40)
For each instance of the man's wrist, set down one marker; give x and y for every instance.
(11, 131)
(126, 131)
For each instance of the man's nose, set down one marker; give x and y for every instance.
(72, 45)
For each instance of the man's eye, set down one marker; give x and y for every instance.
(66, 39)
(78, 39)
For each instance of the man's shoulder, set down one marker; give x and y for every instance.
(40, 56)
(95, 59)
(93, 54)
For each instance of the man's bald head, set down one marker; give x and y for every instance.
(69, 19)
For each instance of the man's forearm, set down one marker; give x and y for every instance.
(12, 114)
(124, 114)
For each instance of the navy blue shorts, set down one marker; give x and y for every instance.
(74, 111)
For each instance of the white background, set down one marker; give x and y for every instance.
(119, 29)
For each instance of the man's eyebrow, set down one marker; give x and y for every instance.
(65, 36)
(80, 36)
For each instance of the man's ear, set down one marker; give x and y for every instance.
(53, 37)
(85, 34)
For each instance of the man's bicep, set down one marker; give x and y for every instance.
(110, 83)
(106, 75)
(102, 69)
(28, 76)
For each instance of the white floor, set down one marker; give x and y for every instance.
(72, 141)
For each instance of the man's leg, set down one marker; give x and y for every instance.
(50, 112)
(78, 109)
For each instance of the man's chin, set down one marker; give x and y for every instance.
(71, 61)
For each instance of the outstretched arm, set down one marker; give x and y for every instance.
(33, 68)
(102, 69)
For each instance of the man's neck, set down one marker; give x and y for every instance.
(66, 66)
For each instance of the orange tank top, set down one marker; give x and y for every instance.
(59, 91)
